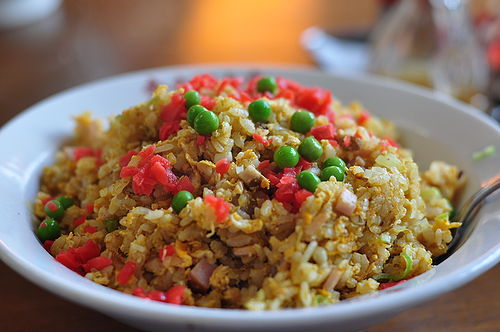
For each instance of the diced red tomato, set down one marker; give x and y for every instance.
(128, 171)
(302, 165)
(287, 187)
(166, 251)
(89, 250)
(285, 84)
(157, 296)
(68, 259)
(89, 208)
(289, 172)
(125, 159)
(235, 82)
(315, 100)
(97, 263)
(272, 177)
(152, 170)
(126, 273)
(222, 166)
(168, 128)
(324, 132)
(200, 81)
(207, 102)
(146, 154)
(333, 142)
(386, 285)
(200, 140)
(252, 85)
(244, 97)
(74, 258)
(139, 292)
(493, 55)
(82, 151)
(287, 94)
(260, 139)
(220, 206)
(175, 294)
(90, 229)
(48, 244)
(185, 184)
(264, 164)
(363, 118)
(301, 196)
(172, 114)
(391, 142)
(175, 109)
(159, 173)
(172, 181)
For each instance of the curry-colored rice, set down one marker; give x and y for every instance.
(263, 256)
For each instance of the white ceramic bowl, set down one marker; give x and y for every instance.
(433, 126)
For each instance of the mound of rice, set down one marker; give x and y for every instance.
(239, 244)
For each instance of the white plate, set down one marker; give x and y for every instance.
(434, 126)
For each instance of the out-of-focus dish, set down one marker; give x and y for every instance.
(424, 120)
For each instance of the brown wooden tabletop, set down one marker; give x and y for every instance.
(91, 39)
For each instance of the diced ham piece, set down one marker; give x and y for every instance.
(346, 202)
(200, 274)
(244, 251)
(333, 279)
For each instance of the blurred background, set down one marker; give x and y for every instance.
(50, 45)
(47, 46)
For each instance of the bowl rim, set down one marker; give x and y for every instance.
(117, 302)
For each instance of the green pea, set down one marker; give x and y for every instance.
(286, 156)
(259, 110)
(66, 202)
(48, 230)
(192, 98)
(267, 83)
(334, 161)
(193, 113)
(206, 123)
(330, 171)
(302, 121)
(111, 225)
(308, 180)
(310, 148)
(54, 209)
(180, 200)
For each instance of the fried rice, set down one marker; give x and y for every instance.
(251, 237)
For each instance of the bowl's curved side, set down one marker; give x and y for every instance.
(418, 110)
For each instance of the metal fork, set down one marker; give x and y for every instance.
(466, 215)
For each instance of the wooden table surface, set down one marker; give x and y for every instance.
(87, 40)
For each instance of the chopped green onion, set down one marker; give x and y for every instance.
(445, 216)
(320, 300)
(111, 225)
(488, 151)
(428, 194)
(408, 268)
(398, 277)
